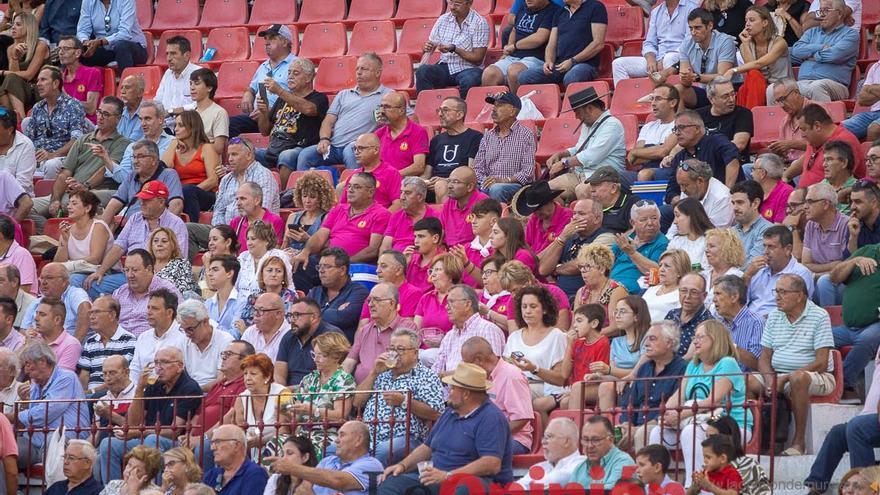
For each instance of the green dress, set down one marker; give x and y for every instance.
(311, 390)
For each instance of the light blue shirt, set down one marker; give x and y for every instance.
(761, 297)
(824, 55)
(279, 73)
(607, 146)
(722, 48)
(130, 125)
(357, 468)
(123, 168)
(231, 312)
(124, 25)
(666, 32)
(612, 464)
(753, 239)
(72, 297)
(65, 391)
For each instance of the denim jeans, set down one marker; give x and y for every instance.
(859, 437)
(310, 158)
(287, 158)
(578, 73)
(400, 450)
(125, 53)
(242, 124)
(109, 283)
(197, 200)
(437, 76)
(502, 192)
(406, 484)
(864, 344)
(827, 292)
(858, 123)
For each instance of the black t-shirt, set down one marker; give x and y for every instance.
(291, 129)
(733, 20)
(528, 23)
(796, 10)
(575, 32)
(740, 120)
(165, 410)
(616, 217)
(714, 149)
(446, 153)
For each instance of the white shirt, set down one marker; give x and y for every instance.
(173, 91)
(148, 344)
(545, 354)
(8, 396)
(855, 5)
(21, 161)
(201, 365)
(717, 205)
(255, 337)
(123, 398)
(655, 132)
(560, 473)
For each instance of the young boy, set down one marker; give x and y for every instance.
(586, 345)
(483, 216)
(428, 243)
(718, 476)
(652, 464)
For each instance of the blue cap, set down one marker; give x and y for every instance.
(506, 97)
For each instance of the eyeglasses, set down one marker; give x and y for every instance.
(295, 316)
(727, 96)
(827, 10)
(811, 202)
(782, 292)
(66, 48)
(316, 355)
(450, 302)
(320, 267)
(378, 300)
(593, 440)
(488, 271)
(782, 99)
(586, 268)
(140, 157)
(622, 312)
(73, 458)
(358, 149)
(190, 329)
(97, 311)
(164, 364)
(455, 182)
(356, 187)
(446, 109)
(689, 292)
(104, 114)
(680, 128)
(793, 205)
(871, 158)
(225, 355)
(401, 349)
(262, 311)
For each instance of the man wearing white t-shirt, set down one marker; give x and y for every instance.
(696, 181)
(164, 331)
(656, 139)
(204, 344)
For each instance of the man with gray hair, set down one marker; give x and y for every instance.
(368, 153)
(723, 116)
(824, 242)
(374, 337)
(152, 116)
(53, 383)
(827, 54)
(767, 171)
(791, 144)
(413, 207)
(55, 282)
(131, 92)
(9, 385)
(204, 343)
(10, 286)
(391, 269)
(294, 121)
(561, 440)
(398, 368)
(239, 474)
(695, 180)
(249, 203)
(80, 458)
(637, 253)
(463, 307)
(746, 327)
(109, 339)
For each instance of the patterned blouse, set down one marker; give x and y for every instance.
(583, 297)
(755, 481)
(247, 312)
(178, 272)
(425, 386)
(312, 390)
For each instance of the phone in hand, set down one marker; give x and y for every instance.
(263, 93)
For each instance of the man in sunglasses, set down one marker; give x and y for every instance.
(827, 54)
(111, 34)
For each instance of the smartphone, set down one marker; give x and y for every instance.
(517, 355)
(263, 94)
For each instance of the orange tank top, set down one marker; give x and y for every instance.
(193, 172)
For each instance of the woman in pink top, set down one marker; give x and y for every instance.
(509, 241)
(427, 245)
(445, 272)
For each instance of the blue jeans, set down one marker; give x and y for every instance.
(400, 450)
(858, 123)
(520, 449)
(578, 73)
(864, 344)
(197, 200)
(287, 158)
(242, 124)
(437, 76)
(207, 462)
(406, 484)
(111, 282)
(310, 158)
(859, 437)
(125, 53)
(502, 192)
(829, 293)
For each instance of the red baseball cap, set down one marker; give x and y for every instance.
(152, 190)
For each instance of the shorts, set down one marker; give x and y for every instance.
(821, 383)
(530, 62)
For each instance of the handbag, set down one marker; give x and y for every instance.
(53, 468)
(701, 418)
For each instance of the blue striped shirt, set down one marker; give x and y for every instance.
(746, 330)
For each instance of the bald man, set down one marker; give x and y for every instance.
(404, 143)
(55, 282)
(240, 475)
(388, 178)
(462, 195)
(270, 325)
(120, 390)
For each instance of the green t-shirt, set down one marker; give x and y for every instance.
(862, 295)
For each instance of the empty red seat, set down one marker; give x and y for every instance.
(427, 103)
(223, 13)
(195, 42)
(43, 187)
(625, 23)
(176, 14)
(413, 37)
(258, 50)
(397, 71)
(232, 43)
(233, 78)
(545, 97)
(372, 36)
(870, 13)
(311, 11)
(151, 47)
(144, 10)
(335, 74)
(606, 57)
(601, 88)
(258, 140)
(632, 48)
(502, 8)
(273, 12)
(418, 9)
(369, 10)
(109, 81)
(558, 134)
(483, 7)
(626, 94)
(767, 123)
(323, 40)
(836, 110)
(476, 103)
(151, 75)
(231, 105)
(630, 129)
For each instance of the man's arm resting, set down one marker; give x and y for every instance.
(336, 480)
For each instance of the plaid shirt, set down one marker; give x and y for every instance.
(425, 386)
(510, 156)
(450, 347)
(225, 208)
(472, 33)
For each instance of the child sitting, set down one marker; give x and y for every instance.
(718, 477)
(652, 466)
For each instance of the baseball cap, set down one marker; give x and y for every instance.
(506, 97)
(152, 190)
(604, 174)
(277, 30)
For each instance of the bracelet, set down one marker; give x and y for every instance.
(324, 139)
(573, 61)
(560, 242)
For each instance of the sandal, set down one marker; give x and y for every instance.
(791, 451)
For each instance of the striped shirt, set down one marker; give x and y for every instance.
(509, 156)
(472, 33)
(225, 208)
(795, 344)
(475, 326)
(94, 353)
(746, 330)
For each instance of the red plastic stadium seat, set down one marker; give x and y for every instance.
(258, 50)
(152, 75)
(151, 47)
(175, 14)
(144, 10)
(558, 134)
(195, 42)
(502, 8)
(231, 105)
(53, 227)
(369, 10)
(601, 87)
(418, 9)
(295, 176)
(43, 187)
(546, 98)
(835, 394)
(499, 39)
(625, 23)
(258, 140)
(234, 77)
(836, 314)
(335, 74)
(483, 7)
(233, 43)
(632, 48)
(223, 13)
(413, 37)
(397, 71)
(323, 40)
(630, 129)
(372, 36)
(535, 455)
(273, 12)
(768, 123)
(835, 109)
(312, 11)
(870, 13)
(868, 53)
(606, 56)
(427, 103)
(109, 81)
(476, 102)
(492, 34)
(626, 94)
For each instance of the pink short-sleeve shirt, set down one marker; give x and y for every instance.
(457, 221)
(388, 181)
(537, 238)
(400, 228)
(400, 152)
(353, 234)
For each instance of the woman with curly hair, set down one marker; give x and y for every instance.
(169, 264)
(725, 255)
(180, 470)
(142, 465)
(595, 262)
(315, 196)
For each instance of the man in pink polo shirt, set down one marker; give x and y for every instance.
(49, 326)
(547, 218)
(404, 143)
(366, 152)
(456, 212)
(249, 200)
(357, 227)
(413, 208)
(391, 269)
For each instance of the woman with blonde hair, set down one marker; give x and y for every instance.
(34, 7)
(595, 262)
(663, 297)
(142, 465)
(180, 469)
(764, 53)
(274, 275)
(725, 254)
(261, 242)
(315, 196)
(26, 55)
(514, 275)
(194, 159)
(713, 381)
(169, 263)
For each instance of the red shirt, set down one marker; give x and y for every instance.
(583, 353)
(457, 221)
(727, 478)
(815, 174)
(400, 152)
(220, 399)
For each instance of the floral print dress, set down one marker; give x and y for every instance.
(312, 390)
